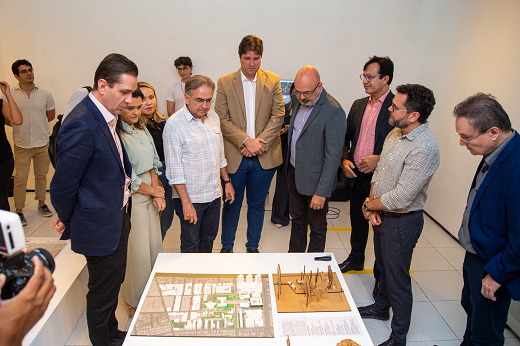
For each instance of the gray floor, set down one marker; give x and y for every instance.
(437, 318)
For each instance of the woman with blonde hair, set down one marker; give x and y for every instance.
(144, 243)
(155, 124)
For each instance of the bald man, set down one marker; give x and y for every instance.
(316, 135)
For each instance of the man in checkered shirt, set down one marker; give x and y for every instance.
(195, 162)
(409, 158)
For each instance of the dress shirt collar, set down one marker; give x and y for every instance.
(244, 78)
(19, 87)
(188, 116)
(381, 99)
(493, 156)
(415, 132)
(106, 114)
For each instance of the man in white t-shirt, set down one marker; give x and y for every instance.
(31, 139)
(175, 95)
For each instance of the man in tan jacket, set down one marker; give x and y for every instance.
(250, 106)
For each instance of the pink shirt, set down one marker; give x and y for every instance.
(367, 133)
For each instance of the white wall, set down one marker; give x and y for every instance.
(454, 47)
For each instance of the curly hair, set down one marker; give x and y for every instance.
(419, 99)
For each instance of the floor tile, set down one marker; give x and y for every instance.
(358, 290)
(453, 314)
(377, 330)
(454, 255)
(439, 285)
(437, 237)
(427, 324)
(426, 259)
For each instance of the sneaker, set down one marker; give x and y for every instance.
(22, 219)
(44, 210)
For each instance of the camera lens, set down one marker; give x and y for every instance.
(44, 256)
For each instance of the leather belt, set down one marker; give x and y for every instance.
(392, 214)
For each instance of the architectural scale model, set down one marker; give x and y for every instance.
(308, 292)
(207, 305)
(50, 244)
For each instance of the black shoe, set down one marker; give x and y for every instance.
(252, 251)
(119, 339)
(371, 311)
(22, 219)
(389, 342)
(224, 250)
(347, 266)
(375, 292)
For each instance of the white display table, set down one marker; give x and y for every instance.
(264, 263)
(66, 306)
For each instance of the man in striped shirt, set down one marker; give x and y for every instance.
(409, 158)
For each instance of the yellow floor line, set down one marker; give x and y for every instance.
(364, 271)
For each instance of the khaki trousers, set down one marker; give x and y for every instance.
(22, 164)
(144, 244)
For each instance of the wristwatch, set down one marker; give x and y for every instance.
(227, 181)
(365, 206)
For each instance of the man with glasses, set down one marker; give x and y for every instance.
(366, 132)
(490, 230)
(408, 160)
(175, 94)
(195, 162)
(31, 139)
(250, 105)
(316, 134)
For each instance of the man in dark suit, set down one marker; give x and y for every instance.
(90, 192)
(316, 133)
(490, 230)
(367, 128)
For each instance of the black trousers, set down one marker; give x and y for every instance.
(280, 206)
(302, 216)
(394, 241)
(6, 171)
(486, 318)
(106, 274)
(359, 234)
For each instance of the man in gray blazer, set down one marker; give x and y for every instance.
(316, 135)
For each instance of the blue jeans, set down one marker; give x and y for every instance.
(199, 237)
(256, 180)
(486, 318)
(166, 215)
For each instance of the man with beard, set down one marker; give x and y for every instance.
(409, 158)
(316, 135)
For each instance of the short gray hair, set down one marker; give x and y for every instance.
(196, 82)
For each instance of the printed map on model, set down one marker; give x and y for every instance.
(206, 305)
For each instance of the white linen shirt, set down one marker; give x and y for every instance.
(194, 154)
(176, 94)
(35, 131)
(250, 100)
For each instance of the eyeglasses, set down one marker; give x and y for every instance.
(392, 109)
(368, 76)
(25, 71)
(185, 68)
(306, 93)
(199, 102)
(469, 140)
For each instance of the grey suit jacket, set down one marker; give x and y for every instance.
(319, 147)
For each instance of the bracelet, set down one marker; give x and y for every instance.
(227, 181)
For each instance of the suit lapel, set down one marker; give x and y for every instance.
(239, 89)
(106, 131)
(383, 114)
(315, 111)
(260, 81)
(493, 170)
(357, 122)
